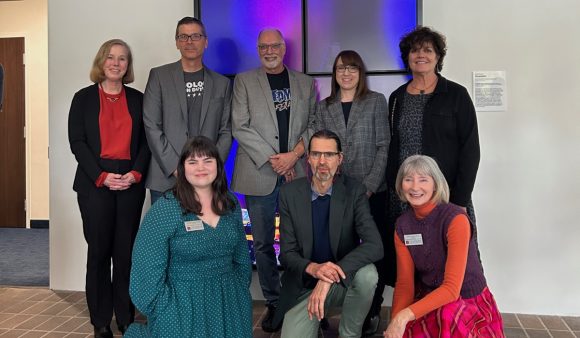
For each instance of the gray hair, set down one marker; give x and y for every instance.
(271, 29)
(423, 165)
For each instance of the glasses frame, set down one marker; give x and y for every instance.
(329, 155)
(193, 37)
(352, 69)
(275, 47)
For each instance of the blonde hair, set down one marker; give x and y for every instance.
(423, 165)
(98, 74)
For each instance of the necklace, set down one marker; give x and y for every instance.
(111, 97)
(422, 91)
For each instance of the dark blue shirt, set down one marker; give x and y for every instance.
(321, 250)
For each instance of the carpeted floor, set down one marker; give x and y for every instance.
(23, 257)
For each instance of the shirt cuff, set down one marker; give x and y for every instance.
(137, 176)
(101, 179)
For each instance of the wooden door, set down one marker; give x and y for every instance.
(12, 137)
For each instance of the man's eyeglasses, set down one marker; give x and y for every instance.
(327, 154)
(193, 37)
(275, 47)
(351, 69)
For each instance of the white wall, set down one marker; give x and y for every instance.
(528, 187)
(76, 30)
(525, 215)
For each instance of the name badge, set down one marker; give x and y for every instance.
(414, 239)
(193, 225)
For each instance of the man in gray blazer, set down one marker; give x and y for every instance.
(271, 110)
(182, 100)
(328, 243)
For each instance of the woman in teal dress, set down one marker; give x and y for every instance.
(191, 269)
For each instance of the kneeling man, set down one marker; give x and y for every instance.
(328, 242)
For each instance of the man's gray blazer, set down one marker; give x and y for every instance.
(354, 238)
(255, 127)
(365, 141)
(166, 119)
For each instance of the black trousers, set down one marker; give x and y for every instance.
(386, 267)
(110, 223)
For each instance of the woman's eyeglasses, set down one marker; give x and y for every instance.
(351, 69)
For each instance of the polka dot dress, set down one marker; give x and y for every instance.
(191, 283)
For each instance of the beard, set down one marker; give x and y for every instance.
(271, 64)
(323, 177)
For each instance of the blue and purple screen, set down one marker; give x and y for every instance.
(373, 28)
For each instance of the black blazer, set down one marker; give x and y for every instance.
(85, 139)
(450, 136)
(354, 237)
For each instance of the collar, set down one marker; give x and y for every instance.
(315, 193)
(424, 210)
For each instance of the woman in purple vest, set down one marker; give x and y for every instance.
(440, 290)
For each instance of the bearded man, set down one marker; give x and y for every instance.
(328, 242)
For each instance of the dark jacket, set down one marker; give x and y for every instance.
(449, 136)
(354, 237)
(85, 138)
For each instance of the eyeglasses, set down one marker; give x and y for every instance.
(185, 37)
(351, 69)
(329, 155)
(275, 47)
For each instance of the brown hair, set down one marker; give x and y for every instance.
(183, 191)
(188, 20)
(349, 58)
(98, 74)
(417, 38)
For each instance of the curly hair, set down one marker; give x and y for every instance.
(417, 38)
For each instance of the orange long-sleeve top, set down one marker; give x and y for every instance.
(458, 237)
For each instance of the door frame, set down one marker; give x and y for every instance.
(26, 123)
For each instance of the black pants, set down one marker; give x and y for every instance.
(110, 224)
(386, 267)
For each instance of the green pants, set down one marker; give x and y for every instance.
(355, 302)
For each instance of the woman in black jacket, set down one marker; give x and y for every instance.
(432, 116)
(106, 136)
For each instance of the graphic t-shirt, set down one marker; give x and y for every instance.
(194, 95)
(280, 86)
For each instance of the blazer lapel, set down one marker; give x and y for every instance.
(207, 89)
(294, 85)
(179, 82)
(337, 116)
(354, 116)
(265, 85)
(306, 195)
(337, 207)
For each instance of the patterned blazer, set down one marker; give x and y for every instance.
(255, 127)
(365, 140)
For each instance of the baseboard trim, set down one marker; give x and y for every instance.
(39, 223)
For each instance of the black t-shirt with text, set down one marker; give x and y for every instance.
(194, 94)
(280, 86)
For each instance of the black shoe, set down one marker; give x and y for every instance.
(103, 332)
(122, 328)
(267, 324)
(371, 325)
(324, 324)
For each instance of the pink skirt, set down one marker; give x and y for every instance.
(473, 317)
